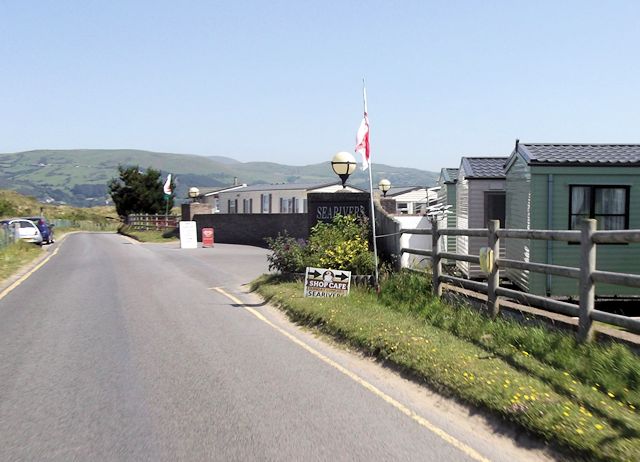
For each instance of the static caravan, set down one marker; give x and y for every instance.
(556, 186)
(275, 198)
(480, 197)
(447, 197)
(412, 200)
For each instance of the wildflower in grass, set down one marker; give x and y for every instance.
(611, 395)
(598, 427)
(579, 431)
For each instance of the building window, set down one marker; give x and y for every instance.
(265, 206)
(233, 205)
(287, 205)
(609, 205)
(247, 205)
(403, 208)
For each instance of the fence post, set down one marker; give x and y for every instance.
(436, 263)
(493, 301)
(396, 245)
(587, 286)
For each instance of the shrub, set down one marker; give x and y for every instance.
(287, 254)
(342, 244)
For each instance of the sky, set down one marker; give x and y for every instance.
(281, 81)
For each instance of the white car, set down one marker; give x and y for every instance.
(25, 229)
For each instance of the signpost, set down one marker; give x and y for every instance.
(188, 235)
(324, 282)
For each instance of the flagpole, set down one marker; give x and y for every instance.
(373, 211)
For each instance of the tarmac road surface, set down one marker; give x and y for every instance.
(114, 350)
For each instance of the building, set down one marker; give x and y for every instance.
(480, 197)
(211, 196)
(447, 197)
(412, 200)
(555, 186)
(274, 198)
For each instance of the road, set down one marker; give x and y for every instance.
(114, 350)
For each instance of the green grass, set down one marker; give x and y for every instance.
(14, 256)
(148, 236)
(581, 397)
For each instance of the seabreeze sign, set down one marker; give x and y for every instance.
(324, 282)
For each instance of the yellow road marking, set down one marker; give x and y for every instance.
(469, 451)
(26, 275)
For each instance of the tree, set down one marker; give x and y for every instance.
(136, 191)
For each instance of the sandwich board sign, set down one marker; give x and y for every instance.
(188, 237)
(324, 282)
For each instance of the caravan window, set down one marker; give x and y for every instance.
(609, 205)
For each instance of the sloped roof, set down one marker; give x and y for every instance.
(579, 154)
(211, 191)
(449, 175)
(484, 167)
(291, 186)
(402, 190)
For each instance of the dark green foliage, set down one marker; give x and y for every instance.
(138, 192)
(341, 244)
(287, 254)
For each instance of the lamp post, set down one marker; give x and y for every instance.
(384, 186)
(343, 164)
(193, 193)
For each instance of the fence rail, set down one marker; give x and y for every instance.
(586, 274)
(152, 222)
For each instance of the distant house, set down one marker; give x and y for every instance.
(412, 200)
(211, 196)
(275, 198)
(556, 186)
(447, 197)
(480, 197)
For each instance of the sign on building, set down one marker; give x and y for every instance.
(323, 207)
(324, 282)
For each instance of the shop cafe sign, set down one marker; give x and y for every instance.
(323, 282)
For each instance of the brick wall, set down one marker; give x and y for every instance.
(252, 229)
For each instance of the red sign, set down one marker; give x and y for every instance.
(207, 237)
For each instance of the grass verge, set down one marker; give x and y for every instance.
(148, 236)
(14, 256)
(580, 397)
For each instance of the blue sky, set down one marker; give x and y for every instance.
(281, 80)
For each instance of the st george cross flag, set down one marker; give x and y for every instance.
(362, 141)
(167, 185)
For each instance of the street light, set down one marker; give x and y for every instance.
(193, 193)
(343, 164)
(384, 186)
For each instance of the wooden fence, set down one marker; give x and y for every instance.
(586, 274)
(153, 222)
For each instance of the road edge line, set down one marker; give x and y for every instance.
(467, 450)
(25, 276)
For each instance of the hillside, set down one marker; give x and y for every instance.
(79, 177)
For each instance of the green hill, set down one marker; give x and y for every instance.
(79, 177)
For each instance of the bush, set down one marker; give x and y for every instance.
(342, 244)
(287, 254)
